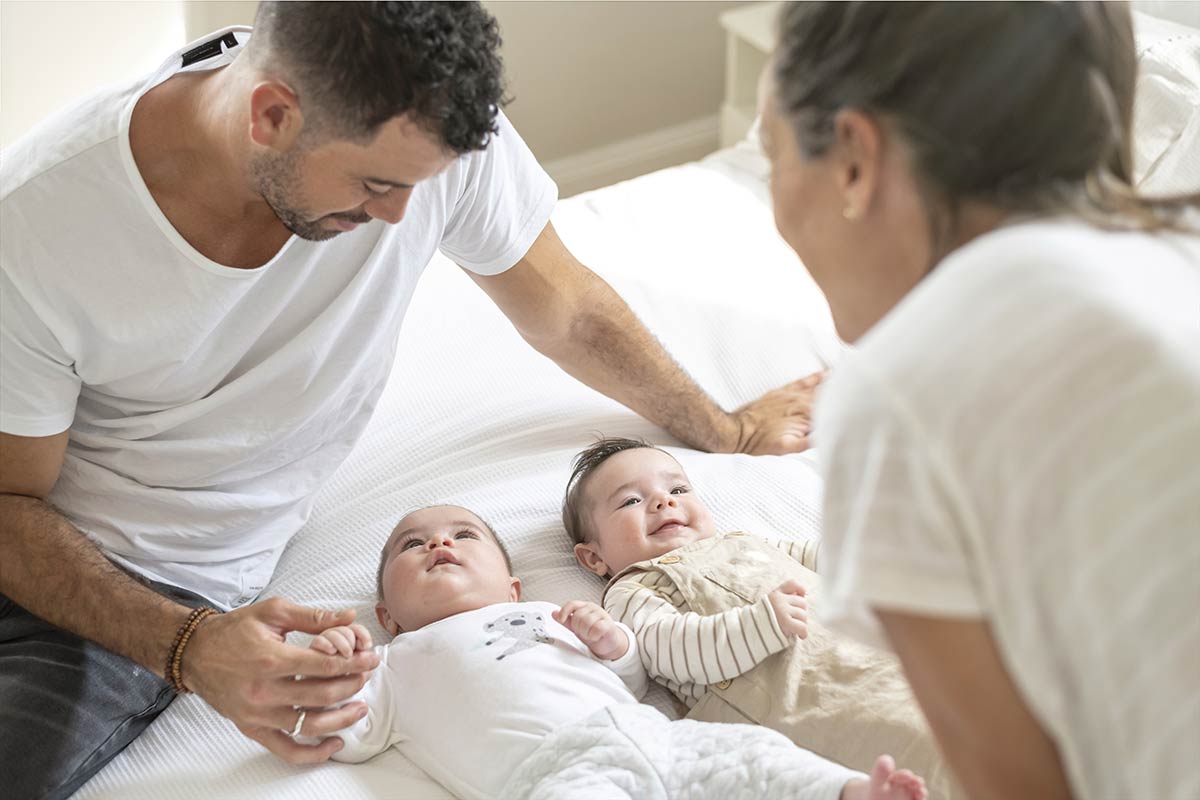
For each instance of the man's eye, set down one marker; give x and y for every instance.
(631, 502)
(409, 543)
(373, 190)
(466, 535)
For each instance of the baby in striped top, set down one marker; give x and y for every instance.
(723, 620)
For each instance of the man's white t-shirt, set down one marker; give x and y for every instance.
(207, 404)
(468, 698)
(1019, 441)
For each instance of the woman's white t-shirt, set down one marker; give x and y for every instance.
(1019, 441)
(207, 404)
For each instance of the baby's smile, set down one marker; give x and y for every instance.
(669, 526)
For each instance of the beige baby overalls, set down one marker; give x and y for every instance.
(829, 694)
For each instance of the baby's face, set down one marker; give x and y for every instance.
(441, 561)
(640, 505)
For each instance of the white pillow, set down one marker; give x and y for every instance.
(1166, 112)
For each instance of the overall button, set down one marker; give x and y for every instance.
(724, 684)
(737, 533)
(670, 560)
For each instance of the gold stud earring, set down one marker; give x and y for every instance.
(850, 213)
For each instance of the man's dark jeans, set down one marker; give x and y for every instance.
(67, 706)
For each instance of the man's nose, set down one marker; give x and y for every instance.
(389, 207)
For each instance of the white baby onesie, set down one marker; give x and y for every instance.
(469, 697)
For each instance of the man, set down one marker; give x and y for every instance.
(203, 282)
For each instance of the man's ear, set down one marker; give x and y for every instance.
(514, 594)
(385, 619)
(590, 559)
(275, 116)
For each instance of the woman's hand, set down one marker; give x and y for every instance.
(595, 628)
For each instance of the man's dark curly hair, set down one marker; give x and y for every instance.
(357, 65)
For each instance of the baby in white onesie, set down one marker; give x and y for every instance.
(497, 698)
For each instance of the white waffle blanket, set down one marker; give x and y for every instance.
(633, 752)
(475, 417)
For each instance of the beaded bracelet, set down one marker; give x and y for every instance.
(175, 656)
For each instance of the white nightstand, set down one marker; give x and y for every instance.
(749, 40)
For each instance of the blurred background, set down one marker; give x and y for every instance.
(602, 90)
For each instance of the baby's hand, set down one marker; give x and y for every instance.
(791, 609)
(595, 628)
(343, 640)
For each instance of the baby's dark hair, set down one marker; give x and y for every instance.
(387, 548)
(574, 518)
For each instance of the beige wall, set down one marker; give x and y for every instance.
(52, 53)
(584, 74)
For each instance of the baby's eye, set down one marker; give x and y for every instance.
(631, 502)
(680, 490)
(465, 534)
(409, 544)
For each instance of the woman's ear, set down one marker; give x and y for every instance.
(858, 154)
(275, 116)
(590, 559)
(385, 619)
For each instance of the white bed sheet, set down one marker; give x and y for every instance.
(474, 416)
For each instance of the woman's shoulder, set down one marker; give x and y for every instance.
(1048, 307)
(1035, 290)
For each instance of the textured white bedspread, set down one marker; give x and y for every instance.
(475, 417)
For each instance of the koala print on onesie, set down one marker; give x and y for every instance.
(528, 629)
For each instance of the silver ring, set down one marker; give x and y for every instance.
(299, 721)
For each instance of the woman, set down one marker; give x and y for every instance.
(1011, 454)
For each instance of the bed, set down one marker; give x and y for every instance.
(474, 416)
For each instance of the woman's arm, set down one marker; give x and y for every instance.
(995, 746)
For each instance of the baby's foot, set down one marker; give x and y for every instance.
(889, 783)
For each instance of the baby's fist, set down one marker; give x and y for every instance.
(343, 640)
(791, 609)
(595, 628)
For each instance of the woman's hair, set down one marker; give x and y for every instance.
(588, 461)
(357, 65)
(1024, 106)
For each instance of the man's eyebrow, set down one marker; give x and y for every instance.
(392, 184)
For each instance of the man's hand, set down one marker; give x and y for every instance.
(791, 609)
(240, 663)
(595, 628)
(780, 421)
(344, 640)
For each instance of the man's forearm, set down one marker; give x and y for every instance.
(609, 349)
(51, 569)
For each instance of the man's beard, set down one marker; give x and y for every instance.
(277, 179)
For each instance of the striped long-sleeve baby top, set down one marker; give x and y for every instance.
(686, 651)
